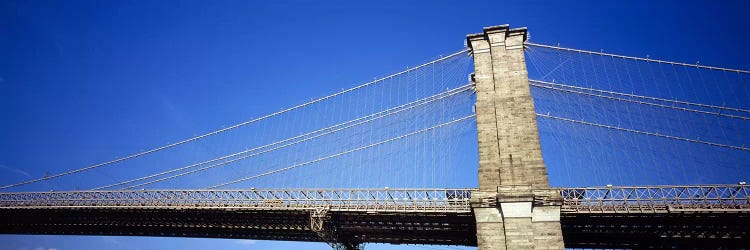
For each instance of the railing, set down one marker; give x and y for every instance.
(656, 199)
(378, 200)
(609, 199)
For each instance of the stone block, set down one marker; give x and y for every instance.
(510, 159)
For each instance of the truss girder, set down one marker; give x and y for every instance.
(611, 217)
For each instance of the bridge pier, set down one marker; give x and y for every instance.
(514, 208)
(320, 223)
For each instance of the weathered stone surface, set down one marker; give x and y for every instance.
(489, 224)
(516, 209)
(545, 214)
(511, 168)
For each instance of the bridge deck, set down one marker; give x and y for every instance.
(713, 215)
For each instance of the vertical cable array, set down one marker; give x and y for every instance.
(394, 131)
(610, 119)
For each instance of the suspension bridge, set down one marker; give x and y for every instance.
(491, 136)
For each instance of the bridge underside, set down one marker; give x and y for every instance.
(287, 225)
(683, 230)
(581, 230)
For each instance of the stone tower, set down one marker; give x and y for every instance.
(514, 208)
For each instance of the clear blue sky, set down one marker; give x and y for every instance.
(83, 81)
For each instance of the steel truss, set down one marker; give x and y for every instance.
(657, 199)
(380, 200)
(610, 217)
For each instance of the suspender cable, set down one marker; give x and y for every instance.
(315, 134)
(637, 58)
(552, 87)
(342, 153)
(644, 132)
(643, 97)
(132, 156)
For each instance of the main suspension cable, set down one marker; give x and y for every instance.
(326, 130)
(532, 83)
(643, 97)
(342, 153)
(636, 58)
(644, 132)
(233, 126)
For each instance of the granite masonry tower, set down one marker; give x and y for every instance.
(514, 208)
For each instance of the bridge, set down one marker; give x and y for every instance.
(504, 104)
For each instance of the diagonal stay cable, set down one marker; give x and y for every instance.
(231, 127)
(326, 131)
(343, 153)
(636, 58)
(532, 83)
(643, 97)
(644, 132)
